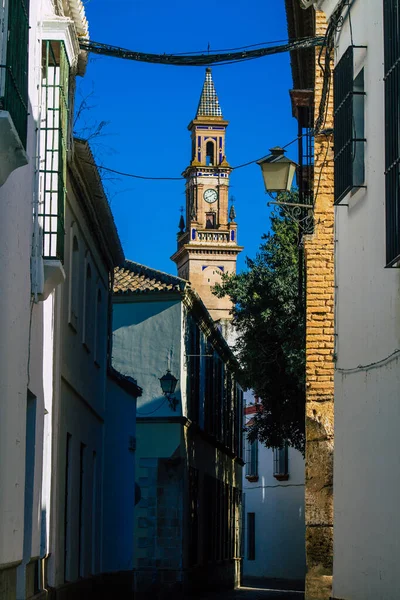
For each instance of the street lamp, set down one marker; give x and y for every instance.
(168, 384)
(277, 170)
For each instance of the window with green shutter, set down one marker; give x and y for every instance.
(392, 131)
(14, 66)
(252, 459)
(348, 126)
(281, 466)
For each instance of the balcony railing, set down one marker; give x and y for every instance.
(213, 236)
(53, 148)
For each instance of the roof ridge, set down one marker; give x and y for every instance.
(208, 104)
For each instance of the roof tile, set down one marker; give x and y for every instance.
(133, 277)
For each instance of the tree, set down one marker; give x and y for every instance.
(269, 316)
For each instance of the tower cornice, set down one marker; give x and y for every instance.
(207, 121)
(224, 167)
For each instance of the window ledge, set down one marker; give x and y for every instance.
(281, 477)
(252, 478)
(54, 274)
(12, 152)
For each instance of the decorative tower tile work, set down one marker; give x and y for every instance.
(208, 247)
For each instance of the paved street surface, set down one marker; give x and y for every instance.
(259, 590)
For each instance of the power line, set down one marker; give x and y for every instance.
(200, 59)
(131, 174)
(150, 178)
(374, 365)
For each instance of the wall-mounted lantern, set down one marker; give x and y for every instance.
(277, 170)
(168, 384)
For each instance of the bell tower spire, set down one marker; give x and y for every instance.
(208, 247)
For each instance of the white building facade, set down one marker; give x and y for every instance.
(27, 303)
(61, 407)
(367, 252)
(274, 524)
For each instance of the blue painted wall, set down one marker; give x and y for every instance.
(119, 480)
(146, 342)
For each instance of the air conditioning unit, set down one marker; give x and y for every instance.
(306, 3)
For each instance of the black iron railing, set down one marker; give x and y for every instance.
(53, 148)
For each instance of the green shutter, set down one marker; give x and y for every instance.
(15, 99)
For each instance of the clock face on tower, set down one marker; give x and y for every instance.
(210, 196)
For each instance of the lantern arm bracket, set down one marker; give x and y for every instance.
(302, 214)
(309, 206)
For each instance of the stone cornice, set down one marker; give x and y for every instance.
(62, 29)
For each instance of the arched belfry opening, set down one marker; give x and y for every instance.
(210, 154)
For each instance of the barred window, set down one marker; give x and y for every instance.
(14, 65)
(251, 459)
(392, 132)
(281, 470)
(348, 126)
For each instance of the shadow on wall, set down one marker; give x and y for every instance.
(319, 497)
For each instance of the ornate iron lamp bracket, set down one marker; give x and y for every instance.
(302, 214)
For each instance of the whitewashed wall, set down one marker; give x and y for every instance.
(22, 333)
(367, 412)
(78, 408)
(279, 518)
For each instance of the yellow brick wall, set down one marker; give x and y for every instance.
(319, 255)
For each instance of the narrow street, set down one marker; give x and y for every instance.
(258, 590)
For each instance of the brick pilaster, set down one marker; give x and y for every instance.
(319, 254)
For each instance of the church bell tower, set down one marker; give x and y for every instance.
(207, 244)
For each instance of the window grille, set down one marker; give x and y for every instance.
(251, 458)
(281, 462)
(14, 71)
(222, 520)
(392, 132)
(348, 127)
(193, 362)
(53, 148)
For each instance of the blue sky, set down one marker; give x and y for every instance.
(148, 107)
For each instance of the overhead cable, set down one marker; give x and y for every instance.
(200, 59)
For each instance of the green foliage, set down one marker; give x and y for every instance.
(269, 315)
